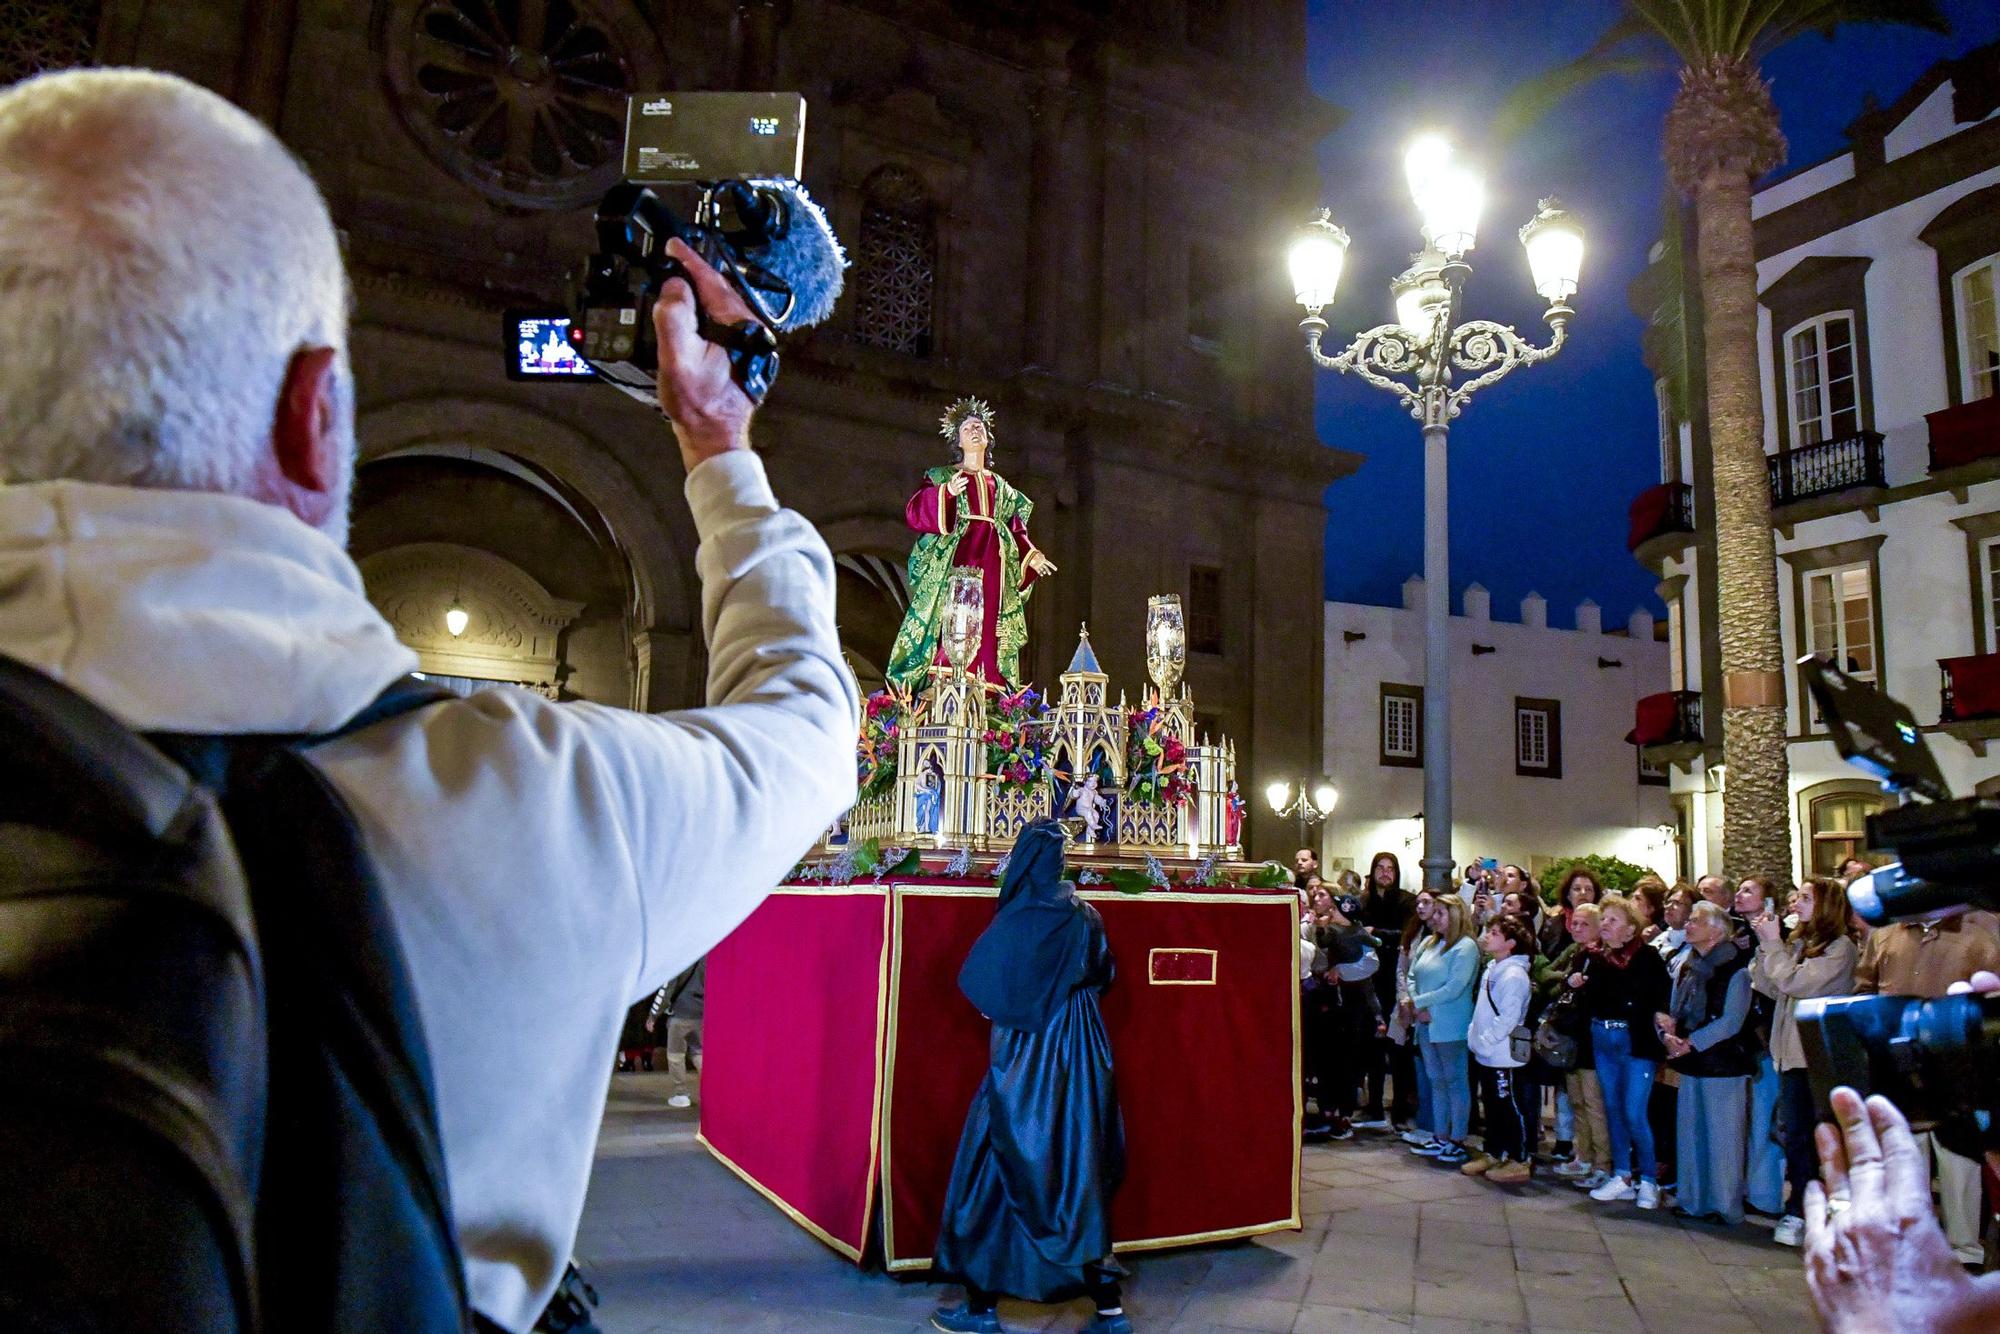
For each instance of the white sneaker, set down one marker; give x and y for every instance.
(1377, 1123)
(680, 1100)
(1649, 1195)
(1430, 1148)
(1591, 1182)
(1615, 1189)
(1418, 1137)
(1790, 1231)
(1574, 1169)
(1969, 1255)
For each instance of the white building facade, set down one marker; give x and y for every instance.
(1879, 344)
(1542, 771)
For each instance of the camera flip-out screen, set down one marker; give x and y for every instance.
(540, 347)
(714, 137)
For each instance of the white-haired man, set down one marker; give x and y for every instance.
(176, 447)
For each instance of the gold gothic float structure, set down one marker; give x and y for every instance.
(946, 797)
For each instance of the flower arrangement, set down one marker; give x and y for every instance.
(1014, 739)
(883, 718)
(1156, 760)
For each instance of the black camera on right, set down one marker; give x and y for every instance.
(1937, 1060)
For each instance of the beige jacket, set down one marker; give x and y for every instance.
(1780, 970)
(546, 864)
(1925, 958)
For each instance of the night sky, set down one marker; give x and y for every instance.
(1544, 463)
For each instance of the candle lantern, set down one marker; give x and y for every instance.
(964, 616)
(1166, 642)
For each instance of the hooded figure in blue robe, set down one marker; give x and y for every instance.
(1028, 1212)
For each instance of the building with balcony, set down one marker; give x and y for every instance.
(1879, 347)
(1540, 715)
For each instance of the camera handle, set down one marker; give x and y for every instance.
(752, 349)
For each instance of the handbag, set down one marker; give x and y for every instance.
(1557, 1036)
(1557, 1049)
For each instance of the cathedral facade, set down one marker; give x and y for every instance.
(1077, 211)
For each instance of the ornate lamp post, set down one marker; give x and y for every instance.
(1307, 810)
(1419, 358)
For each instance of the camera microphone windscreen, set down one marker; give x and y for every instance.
(805, 255)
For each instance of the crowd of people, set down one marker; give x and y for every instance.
(1638, 1044)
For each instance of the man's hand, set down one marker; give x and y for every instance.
(1875, 1256)
(709, 410)
(956, 486)
(650, 1021)
(1041, 564)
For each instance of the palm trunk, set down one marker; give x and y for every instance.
(1756, 821)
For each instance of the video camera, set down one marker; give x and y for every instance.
(736, 157)
(1937, 1060)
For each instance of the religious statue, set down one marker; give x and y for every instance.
(1089, 804)
(1232, 817)
(968, 517)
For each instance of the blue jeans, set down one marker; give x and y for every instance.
(1565, 1117)
(1628, 1083)
(1764, 1170)
(1451, 1088)
(1426, 1106)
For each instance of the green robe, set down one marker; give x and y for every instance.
(931, 564)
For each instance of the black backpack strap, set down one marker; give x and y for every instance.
(361, 1238)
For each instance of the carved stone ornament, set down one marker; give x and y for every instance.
(522, 99)
(513, 625)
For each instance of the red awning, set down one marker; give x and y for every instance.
(1975, 684)
(1655, 719)
(1966, 433)
(1648, 513)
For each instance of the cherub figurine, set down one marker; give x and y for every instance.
(1090, 804)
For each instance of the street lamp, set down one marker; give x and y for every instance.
(1307, 810)
(1418, 358)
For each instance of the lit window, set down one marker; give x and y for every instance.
(1979, 328)
(1402, 726)
(1538, 738)
(1820, 378)
(1670, 436)
(1840, 828)
(1840, 618)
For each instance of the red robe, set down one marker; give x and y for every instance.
(933, 509)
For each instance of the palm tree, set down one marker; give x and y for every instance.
(1721, 135)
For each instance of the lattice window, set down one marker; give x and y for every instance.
(41, 35)
(895, 267)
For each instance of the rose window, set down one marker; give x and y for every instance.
(523, 99)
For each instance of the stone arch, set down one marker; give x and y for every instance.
(870, 552)
(660, 564)
(513, 625)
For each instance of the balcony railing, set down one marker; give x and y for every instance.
(1827, 468)
(1964, 434)
(1971, 688)
(1672, 718)
(1658, 511)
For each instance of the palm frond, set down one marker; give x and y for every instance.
(1540, 95)
(1792, 19)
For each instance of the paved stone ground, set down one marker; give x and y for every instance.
(1391, 1242)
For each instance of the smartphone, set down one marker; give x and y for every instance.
(1489, 863)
